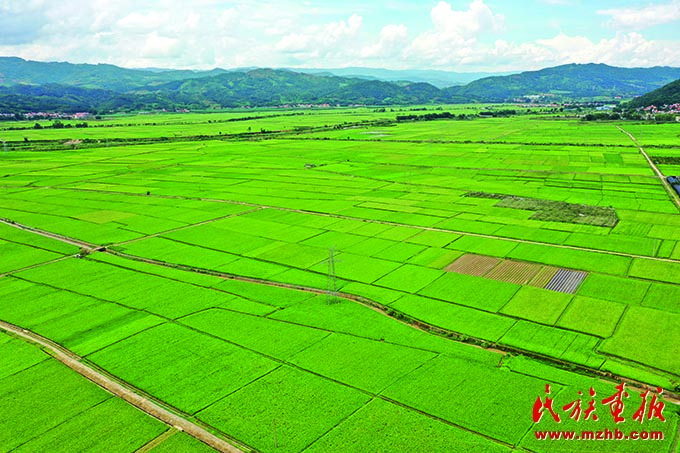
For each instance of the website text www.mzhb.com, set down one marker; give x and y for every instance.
(599, 435)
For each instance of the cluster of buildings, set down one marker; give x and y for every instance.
(673, 108)
(47, 116)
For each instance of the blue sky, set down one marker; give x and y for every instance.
(455, 35)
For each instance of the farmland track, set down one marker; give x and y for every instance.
(144, 404)
(657, 172)
(390, 312)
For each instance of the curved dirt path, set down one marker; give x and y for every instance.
(73, 361)
(664, 181)
(380, 308)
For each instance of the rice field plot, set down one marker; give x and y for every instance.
(557, 343)
(398, 429)
(17, 355)
(184, 368)
(212, 237)
(174, 252)
(592, 316)
(134, 290)
(457, 318)
(506, 130)
(655, 270)
(445, 387)
(474, 292)
(637, 338)
(624, 290)
(409, 278)
(18, 256)
(361, 321)
(616, 243)
(364, 364)
(78, 417)
(271, 337)
(486, 246)
(358, 268)
(538, 305)
(80, 323)
(18, 236)
(285, 410)
(574, 259)
(663, 297)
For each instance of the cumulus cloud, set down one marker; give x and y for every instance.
(644, 17)
(390, 43)
(454, 36)
(315, 41)
(464, 24)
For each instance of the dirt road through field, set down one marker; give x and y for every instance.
(73, 361)
(664, 181)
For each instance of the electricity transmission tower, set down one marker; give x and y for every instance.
(332, 285)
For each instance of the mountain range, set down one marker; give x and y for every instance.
(35, 86)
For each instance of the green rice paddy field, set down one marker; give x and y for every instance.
(207, 283)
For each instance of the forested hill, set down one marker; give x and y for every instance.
(666, 95)
(27, 86)
(573, 81)
(14, 71)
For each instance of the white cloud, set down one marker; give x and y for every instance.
(454, 37)
(329, 40)
(390, 43)
(644, 17)
(465, 24)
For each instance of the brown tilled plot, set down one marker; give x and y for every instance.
(543, 277)
(510, 271)
(470, 264)
(514, 272)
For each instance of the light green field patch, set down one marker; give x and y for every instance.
(655, 270)
(284, 411)
(365, 364)
(647, 336)
(485, 246)
(273, 338)
(592, 316)
(457, 318)
(663, 297)
(409, 278)
(538, 305)
(433, 238)
(185, 368)
(624, 290)
(400, 252)
(475, 292)
(399, 429)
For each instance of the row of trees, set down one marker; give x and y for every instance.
(57, 124)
